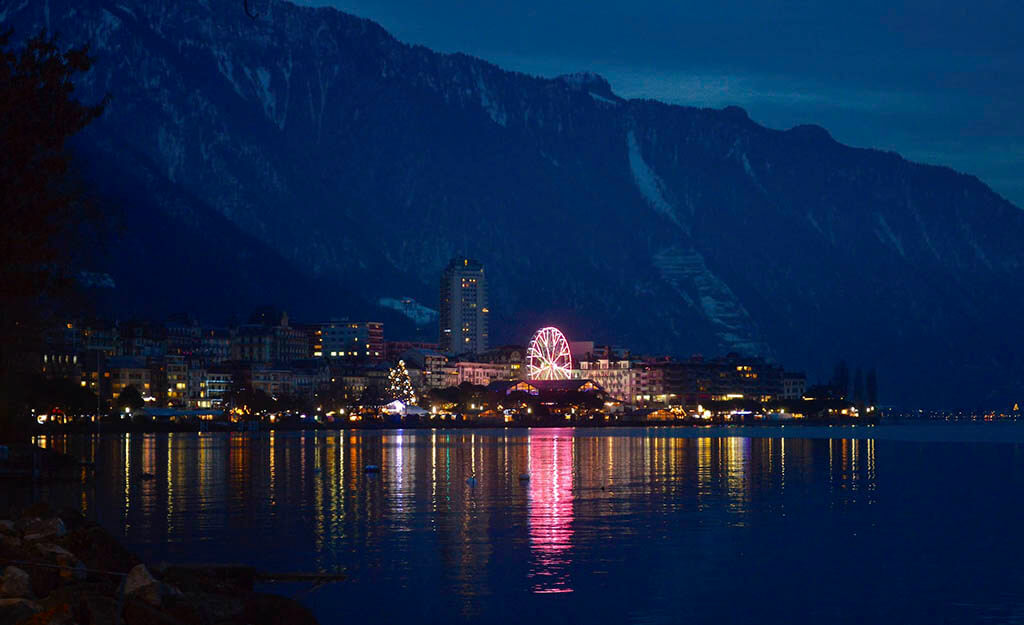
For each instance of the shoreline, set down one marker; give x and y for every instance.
(59, 566)
(192, 426)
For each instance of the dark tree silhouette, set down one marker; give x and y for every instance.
(130, 397)
(872, 387)
(858, 387)
(841, 380)
(38, 112)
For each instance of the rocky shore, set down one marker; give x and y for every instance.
(57, 568)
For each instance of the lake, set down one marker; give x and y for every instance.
(900, 523)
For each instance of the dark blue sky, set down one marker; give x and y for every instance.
(938, 82)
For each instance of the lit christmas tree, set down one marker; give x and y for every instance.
(399, 384)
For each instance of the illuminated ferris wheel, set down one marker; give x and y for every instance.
(548, 357)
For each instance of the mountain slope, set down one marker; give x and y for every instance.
(362, 164)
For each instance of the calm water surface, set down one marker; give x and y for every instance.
(910, 524)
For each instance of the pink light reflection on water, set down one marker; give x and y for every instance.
(551, 510)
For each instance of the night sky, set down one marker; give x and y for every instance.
(936, 81)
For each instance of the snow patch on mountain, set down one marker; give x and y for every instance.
(420, 314)
(490, 103)
(687, 272)
(647, 181)
(886, 235)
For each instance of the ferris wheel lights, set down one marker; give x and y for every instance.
(548, 357)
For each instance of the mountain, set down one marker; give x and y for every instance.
(308, 158)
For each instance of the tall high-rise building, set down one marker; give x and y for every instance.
(464, 307)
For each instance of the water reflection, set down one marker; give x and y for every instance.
(550, 509)
(595, 502)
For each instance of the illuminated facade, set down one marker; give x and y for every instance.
(464, 312)
(353, 340)
(548, 357)
(483, 373)
(619, 378)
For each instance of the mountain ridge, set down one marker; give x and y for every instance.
(361, 164)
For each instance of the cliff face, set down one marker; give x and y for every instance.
(307, 157)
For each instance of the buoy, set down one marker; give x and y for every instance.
(524, 477)
(372, 468)
(471, 481)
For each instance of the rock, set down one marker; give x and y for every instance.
(39, 529)
(44, 579)
(98, 609)
(141, 584)
(90, 603)
(71, 567)
(17, 610)
(139, 577)
(138, 612)
(10, 542)
(218, 608)
(7, 528)
(225, 579)
(38, 510)
(15, 583)
(184, 609)
(57, 615)
(99, 550)
(264, 609)
(52, 551)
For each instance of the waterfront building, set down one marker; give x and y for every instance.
(434, 367)
(483, 373)
(793, 385)
(464, 311)
(266, 340)
(123, 371)
(275, 381)
(175, 378)
(538, 387)
(103, 337)
(142, 339)
(394, 350)
(621, 379)
(215, 345)
(183, 334)
(195, 384)
(353, 340)
(218, 383)
(310, 377)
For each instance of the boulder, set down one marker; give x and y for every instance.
(52, 551)
(141, 584)
(11, 542)
(138, 612)
(90, 603)
(15, 583)
(138, 578)
(99, 550)
(71, 567)
(17, 610)
(266, 609)
(44, 579)
(34, 529)
(57, 615)
(7, 528)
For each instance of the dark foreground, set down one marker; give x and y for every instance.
(59, 568)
